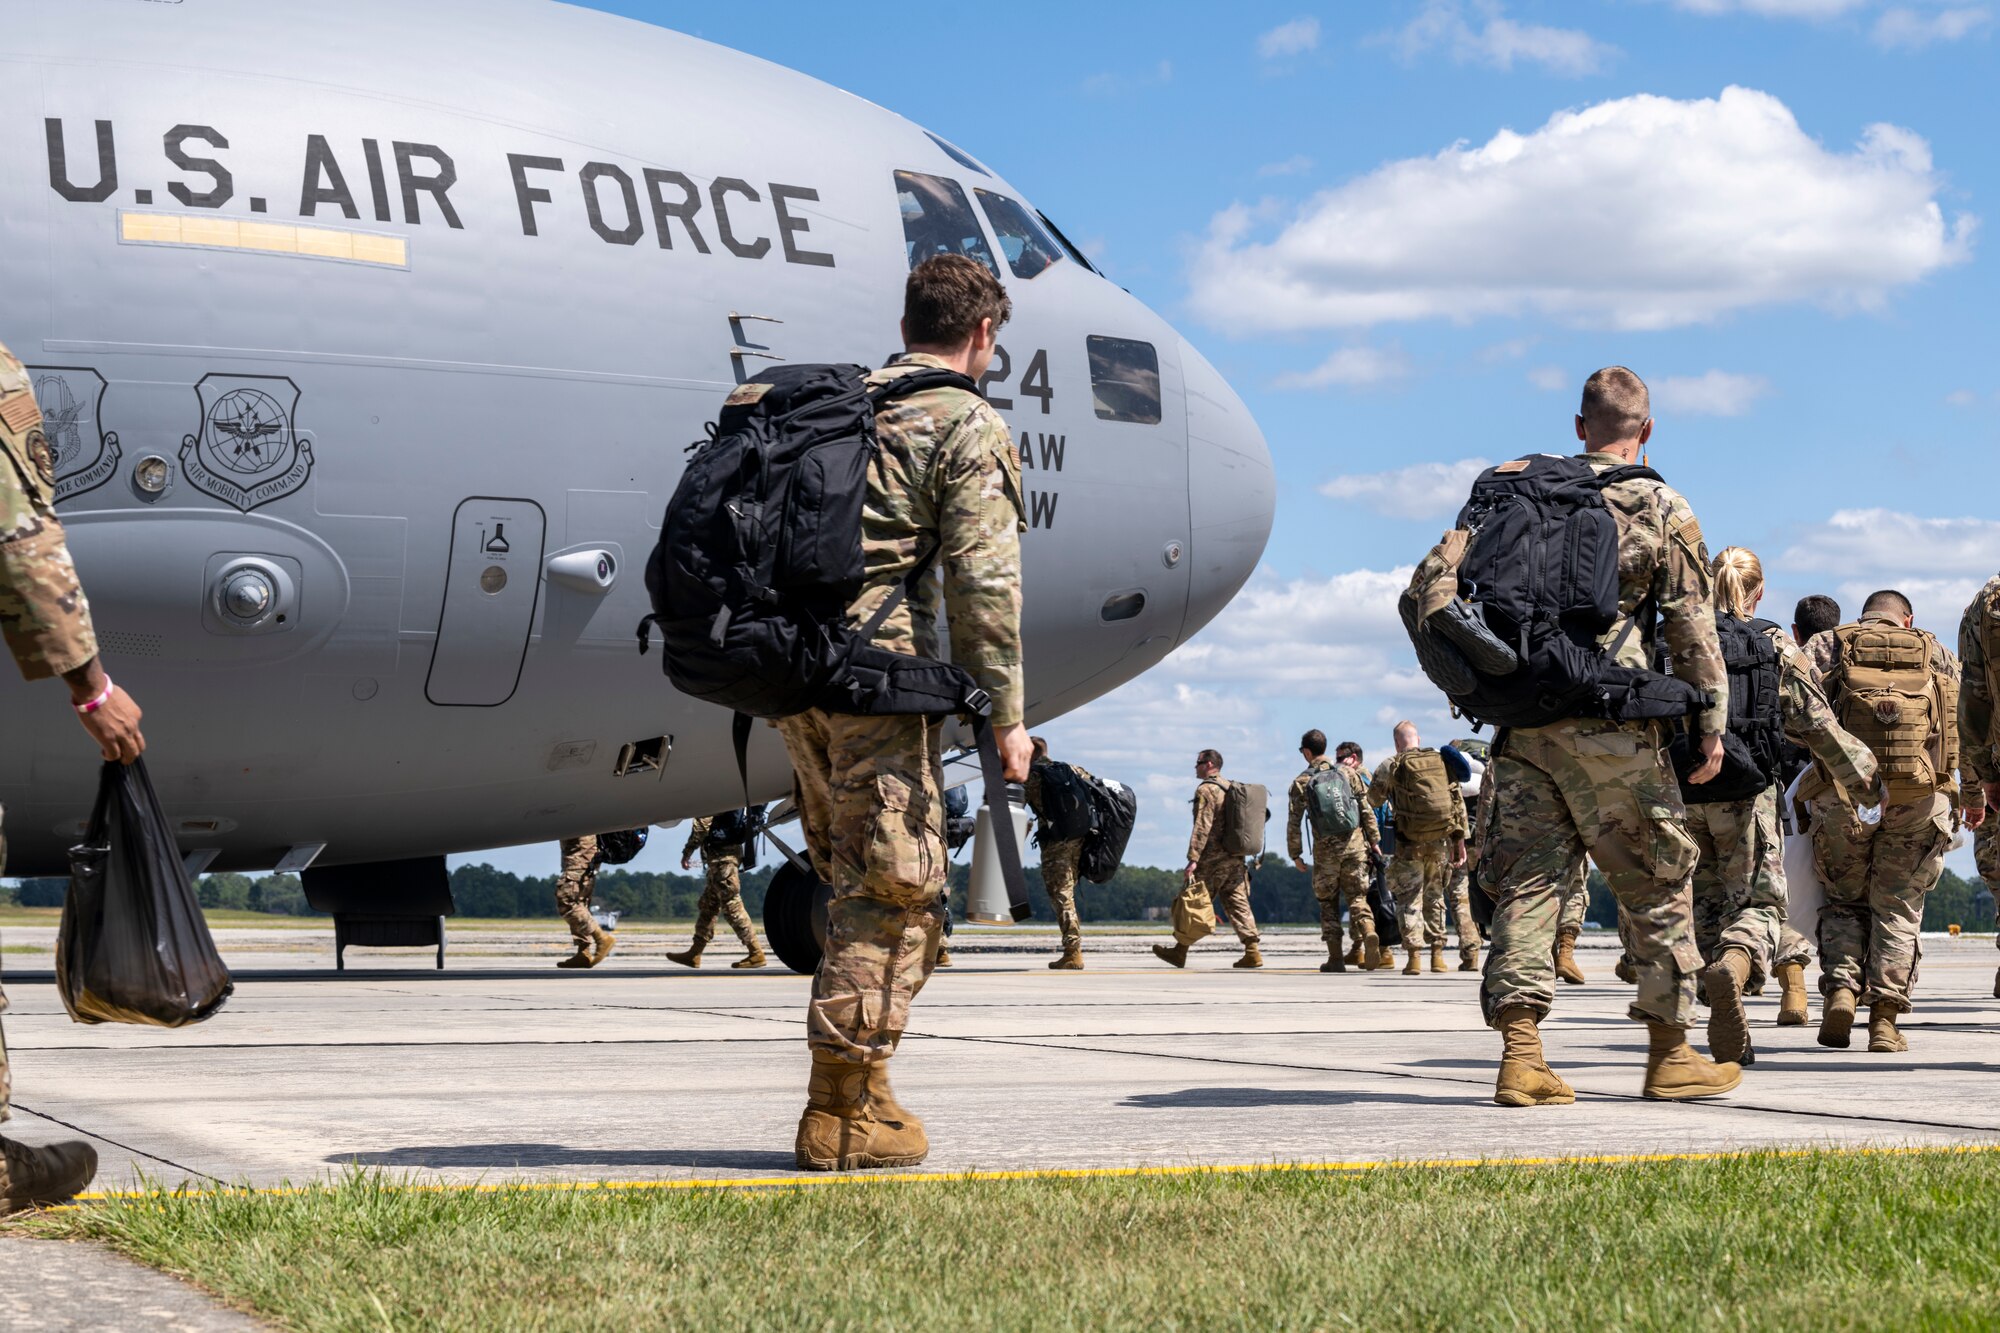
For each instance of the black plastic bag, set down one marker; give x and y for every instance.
(133, 946)
(1382, 903)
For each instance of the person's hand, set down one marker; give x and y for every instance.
(1457, 853)
(1300, 862)
(114, 724)
(1711, 760)
(687, 863)
(1188, 875)
(1973, 815)
(1016, 751)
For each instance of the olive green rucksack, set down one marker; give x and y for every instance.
(1332, 806)
(1421, 794)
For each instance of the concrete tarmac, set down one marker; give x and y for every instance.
(503, 1068)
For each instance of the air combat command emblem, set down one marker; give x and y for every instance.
(248, 451)
(84, 454)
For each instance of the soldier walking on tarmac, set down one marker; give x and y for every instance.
(1979, 732)
(1215, 875)
(580, 860)
(1430, 844)
(48, 629)
(721, 894)
(1059, 861)
(1591, 783)
(1333, 797)
(1879, 854)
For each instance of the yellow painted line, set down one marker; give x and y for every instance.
(1077, 1173)
(210, 231)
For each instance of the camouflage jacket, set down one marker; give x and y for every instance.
(1823, 651)
(1978, 745)
(1208, 799)
(43, 613)
(1661, 557)
(1295, 811)
(947, 475)
(697, 836)
(1382, 791)
(1810, 721)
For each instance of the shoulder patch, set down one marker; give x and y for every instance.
(745, 394)
(1518, 465)
(20, 412)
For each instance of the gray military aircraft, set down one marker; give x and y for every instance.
(371, 336)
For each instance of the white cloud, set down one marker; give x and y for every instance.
(1492, 39)
(1906, 29)
(1938, 562)
(1715, 394)
(1784, 9)
(1549, 379)
(1114, 85)
(1962, 398)
(1511, 349)
(1296, 38)
(1291, 166)
(1639, 213)
(1421, 490)
(1356, 367)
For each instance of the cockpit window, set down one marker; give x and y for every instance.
(1125, 380)
(1028, 248)
(938, 220)
(957, 154)
(1064, 241)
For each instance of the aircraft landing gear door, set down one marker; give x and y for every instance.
(489, 602)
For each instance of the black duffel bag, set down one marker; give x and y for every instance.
(133, 946)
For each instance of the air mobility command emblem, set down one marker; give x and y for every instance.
(248, 451)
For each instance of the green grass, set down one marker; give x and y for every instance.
(1762, 1241)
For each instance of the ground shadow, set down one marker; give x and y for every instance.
(1244, 1098)
(521, 1155)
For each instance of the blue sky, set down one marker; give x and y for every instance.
(1407, 231)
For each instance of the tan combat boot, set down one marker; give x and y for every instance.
(1676, 1072)
(1412, 968)
(1525, 1077)
(846, 1127)
(1175, 953)
(755, 958)
(1071, 960)
(1792, 995)
(1728, 1026)
(1353, 959)
(1250, 958)
(1566, 967)
(1469, 959)
(688, 957)
(38, 1177)
(1437, 958)
(1625, 972)
(602, 943)
(1883, 1036)
(943, 956)
(581, 958)
(1334, 962)
(1836, 1019)
(1373, 956)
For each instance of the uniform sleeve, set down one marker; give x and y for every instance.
(1810, 721)
(43, 614)
(979, 527)
(1975, 692)
(1032, 789)
(1295, 813)
(1687, 611)
(1207, 800)
(1379, 787)
(696, 836)
(1944, 665)
(1369, 828)
(1458, 825)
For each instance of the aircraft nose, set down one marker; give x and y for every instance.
(1232, 491)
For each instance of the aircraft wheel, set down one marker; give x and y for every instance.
(795, 906)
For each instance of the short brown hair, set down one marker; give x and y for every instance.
(1346, 748)
(1039, 746)
(946, 297)
(1313, 742)
(1210, 757)
(1615, 406)
(1887, 602)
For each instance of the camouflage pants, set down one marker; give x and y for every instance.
(1876, 877)
(1342, 876)
(722, 896)
(1460, 907)
(871, 799)
(1575, 899)
(1420, 878)
(578, 883)
(1059, 879)
(1602, 788)
(1739, 883)
(1221, 883)
(1986, 855)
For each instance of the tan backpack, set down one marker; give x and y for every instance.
(1421, 792)
(1239, 825)
(1884, 691)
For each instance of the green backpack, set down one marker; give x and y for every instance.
(1332, 807)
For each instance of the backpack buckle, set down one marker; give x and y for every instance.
(977, 702)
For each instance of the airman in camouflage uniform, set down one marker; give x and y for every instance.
(1339, 874)
(1876, 876)
(1421, 872)
(1213, 878)
(1605, 788)
(721, 895)
(1979, 732)
(574, 890)
(870, 789)
(46, 622)
(1059, 862)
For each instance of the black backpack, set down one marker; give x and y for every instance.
(1115, 809)
(620, 846)
(734, 832)
(1067, 812)
(1537, 587)
(1753, 749)
(759, 557)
